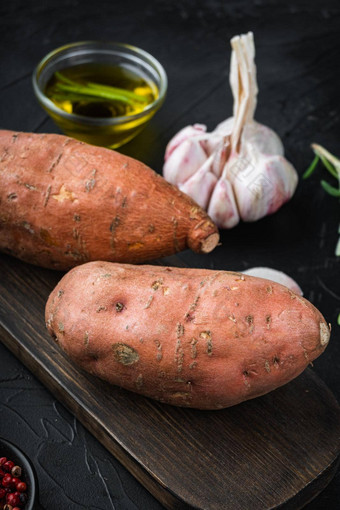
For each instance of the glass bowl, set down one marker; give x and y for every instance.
(105, 131)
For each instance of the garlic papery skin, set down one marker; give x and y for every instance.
(182, 135)
(251, 177)
(185, 160)
(222, 207)
(201, 184)
(262, 183)
(261, 138)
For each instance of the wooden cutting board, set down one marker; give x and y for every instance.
(279, 450)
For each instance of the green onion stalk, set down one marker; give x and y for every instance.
(67, 89)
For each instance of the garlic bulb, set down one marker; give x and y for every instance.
(238, 171)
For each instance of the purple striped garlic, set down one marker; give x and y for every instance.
(238, 171)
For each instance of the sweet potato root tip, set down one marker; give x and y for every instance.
(210, 243)
(325, 334)
(203, 238)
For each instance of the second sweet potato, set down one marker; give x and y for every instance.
(188, 337)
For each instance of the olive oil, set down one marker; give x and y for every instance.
(100, 90)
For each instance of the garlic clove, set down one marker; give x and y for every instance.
(262, 139)
(224, 128)
(212, 142)
(276, 276)
(184, 161)
(262, 184)
(287, 175)
(200, 185)
(184, 134)
(222, 206)
(220, 156)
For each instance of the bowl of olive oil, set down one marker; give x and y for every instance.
(103, 93)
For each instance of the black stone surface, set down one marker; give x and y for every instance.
(298, 57)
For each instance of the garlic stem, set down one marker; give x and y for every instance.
(243, 84)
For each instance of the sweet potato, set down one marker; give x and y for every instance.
(187, 337)
(64, 202)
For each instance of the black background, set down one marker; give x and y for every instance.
(298, 65)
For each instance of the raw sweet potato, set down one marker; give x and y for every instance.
(64, 202)
(187, 337)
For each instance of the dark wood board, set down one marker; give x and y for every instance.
(277, 451)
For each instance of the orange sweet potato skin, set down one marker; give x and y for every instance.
(187, 337)
(64, 202)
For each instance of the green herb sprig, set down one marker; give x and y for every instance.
(332, 164)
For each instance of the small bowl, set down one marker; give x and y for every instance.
(109, 132)
(12, 452)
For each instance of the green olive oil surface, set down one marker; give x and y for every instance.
(101, 90)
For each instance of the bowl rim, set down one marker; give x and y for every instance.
(28, 467)
(101, 121)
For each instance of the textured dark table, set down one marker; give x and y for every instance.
(298, 57)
